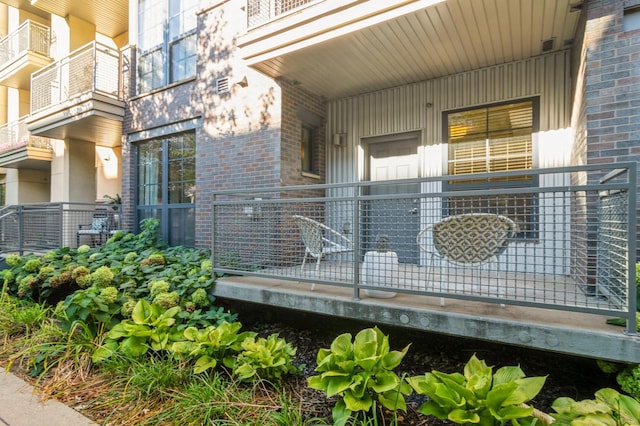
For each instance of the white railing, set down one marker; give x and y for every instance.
(14, 135)
(91, 68)
(29, 37)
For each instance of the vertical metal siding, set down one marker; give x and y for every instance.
(419, 106)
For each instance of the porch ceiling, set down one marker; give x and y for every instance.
(445, 38)
(109, 16)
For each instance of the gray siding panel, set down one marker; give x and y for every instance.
(419, 106)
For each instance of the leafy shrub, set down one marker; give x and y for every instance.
(266, 358)
(479, 396)
(360, 372)
(629, 380)
(608, 408)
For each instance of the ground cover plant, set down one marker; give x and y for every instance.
(130, 334)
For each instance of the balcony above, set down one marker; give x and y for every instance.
(79, 97)
(21, 150)
(336, 48)
(23, 52)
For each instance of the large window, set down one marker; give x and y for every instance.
(166, 42)
(166, 186)
(495, 138)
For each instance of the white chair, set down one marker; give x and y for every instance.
(98, 229)
(320, 240)
(468, 240)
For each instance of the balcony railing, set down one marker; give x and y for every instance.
(15, 135)
(574, 248)
(48, 226)
(261, 11)
(29, 37)
(93, 68)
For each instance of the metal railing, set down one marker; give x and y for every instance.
(571, 251)
(262, 11)
(92, 68)
(15, 135)
(29, 37)
(34, 228)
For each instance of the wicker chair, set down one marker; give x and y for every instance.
(468, 240)
(320, 240)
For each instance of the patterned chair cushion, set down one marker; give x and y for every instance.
(99, 224)
(472, 239)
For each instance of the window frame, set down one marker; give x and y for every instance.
(165, 210)
(168, 70)
(309, 148)
(487, 184)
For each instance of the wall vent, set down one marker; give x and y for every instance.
(222, 85)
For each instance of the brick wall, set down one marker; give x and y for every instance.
(612, 84)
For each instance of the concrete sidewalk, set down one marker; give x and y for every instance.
(19, 406)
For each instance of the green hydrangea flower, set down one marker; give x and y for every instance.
(102, 277)
(49, 256)
(8, 276)
(93, 257)
(109, 295)
(157, 259)
(127, 308)
(157, 287)
(66, 258)
(629, 380)
(167, 300)
(206, 265)
(45, 272)
(82, 276)
(131, 257)
(83, 249)
(12, 260)
(189, 306)
(199, 297)
(32, 265)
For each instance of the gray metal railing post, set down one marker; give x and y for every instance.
(632, 233)
(20, 230)
(356, 241)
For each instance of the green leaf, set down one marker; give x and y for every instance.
(365, 347)
(393, 400)
(341, 345)
(354, 403)
(134, 346)
(394, 358)
(385, 381)
(337, 385)
(340, 414)
(512, 412)
(431, 408)
(204, 363)
(463, 416)
(507, 374)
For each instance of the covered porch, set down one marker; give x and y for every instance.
(566, 269)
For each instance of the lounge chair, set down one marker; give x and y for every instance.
(468, 240)
(320, 240)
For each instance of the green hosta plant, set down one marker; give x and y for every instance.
(610, 408)
(360, 371)
(150, 327)
(266, 358)
(212, 344)
(480, 397)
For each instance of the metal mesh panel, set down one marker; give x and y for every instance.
(261, 11)
(93, 67)
(43, 227)
(548, 259)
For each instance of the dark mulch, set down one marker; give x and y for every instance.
(570, 376)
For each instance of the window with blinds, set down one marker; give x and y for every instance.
(495, 138)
